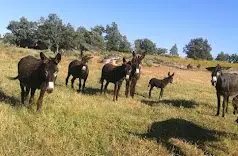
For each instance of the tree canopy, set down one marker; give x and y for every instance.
(198, 48)
(174, 50)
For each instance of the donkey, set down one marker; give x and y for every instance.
(78, 69)
(154, 82)
(116, 75)
(226, 85)
(235, 106)
(135, 74)
(35, 74)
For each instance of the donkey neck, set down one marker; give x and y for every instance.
(165, 81)
(119, 72)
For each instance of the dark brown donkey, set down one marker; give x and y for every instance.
(235, 106)
(78, 69)
(226, 85)
(160, 84)
(35, 74)
(116, 75)
(135, 74)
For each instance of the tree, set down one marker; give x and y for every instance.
(96, 36)
(233, 58)
(222, 57)
(162, 51)
(68, 33)
(174, 50)
(145, 45)
(99, 29)
(113, 37)
(82, 40)
(124, 46)
(9, 38)
(24, 32)
(198, 48)
(50, 31)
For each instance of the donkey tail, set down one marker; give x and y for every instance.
(13, 78)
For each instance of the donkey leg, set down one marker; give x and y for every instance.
(84, 82)
(118, 90)
(67, 79)
(115, 90)
(22, 93)
(32, 95)
(102, 85)
(27, 92)
(72, 82)
(127, 87)
(224, 106)
(227, 103)
(133, 88)
(40, 100)
(105, 87)
(161, 93)
(80, 85)
(218, 103)
(150, 91)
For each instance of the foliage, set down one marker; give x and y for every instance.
(222, 57)
(162, 51)
(174, 50)
(145, 45)
(233, 58)
(51, 33)
(198, 48)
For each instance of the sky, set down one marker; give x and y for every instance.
(165, 22)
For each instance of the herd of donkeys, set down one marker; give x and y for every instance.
(41, 74)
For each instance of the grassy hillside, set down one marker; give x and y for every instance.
(91, 124)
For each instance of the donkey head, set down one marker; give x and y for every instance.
(216, 72)
(170, 77)
(48, 71)
(136, 62)
(127, 68)
(84, 61)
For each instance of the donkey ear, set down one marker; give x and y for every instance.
(133, 54)
(57, 58)
(211, 69)
(172, 75)
(124, 60)
(42, 56)
(168, 73)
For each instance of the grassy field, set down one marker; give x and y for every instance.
(72, 123)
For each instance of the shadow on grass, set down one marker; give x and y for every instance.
(184, 130)
(8, 99)
(175, 103)
(91, 91)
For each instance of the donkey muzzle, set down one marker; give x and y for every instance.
(50, 87)
(84, 68)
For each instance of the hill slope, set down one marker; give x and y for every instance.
(91, 124)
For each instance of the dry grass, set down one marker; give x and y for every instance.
(91, 124)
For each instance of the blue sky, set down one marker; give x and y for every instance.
(165, 22)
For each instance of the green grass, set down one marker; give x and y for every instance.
(92, 124)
